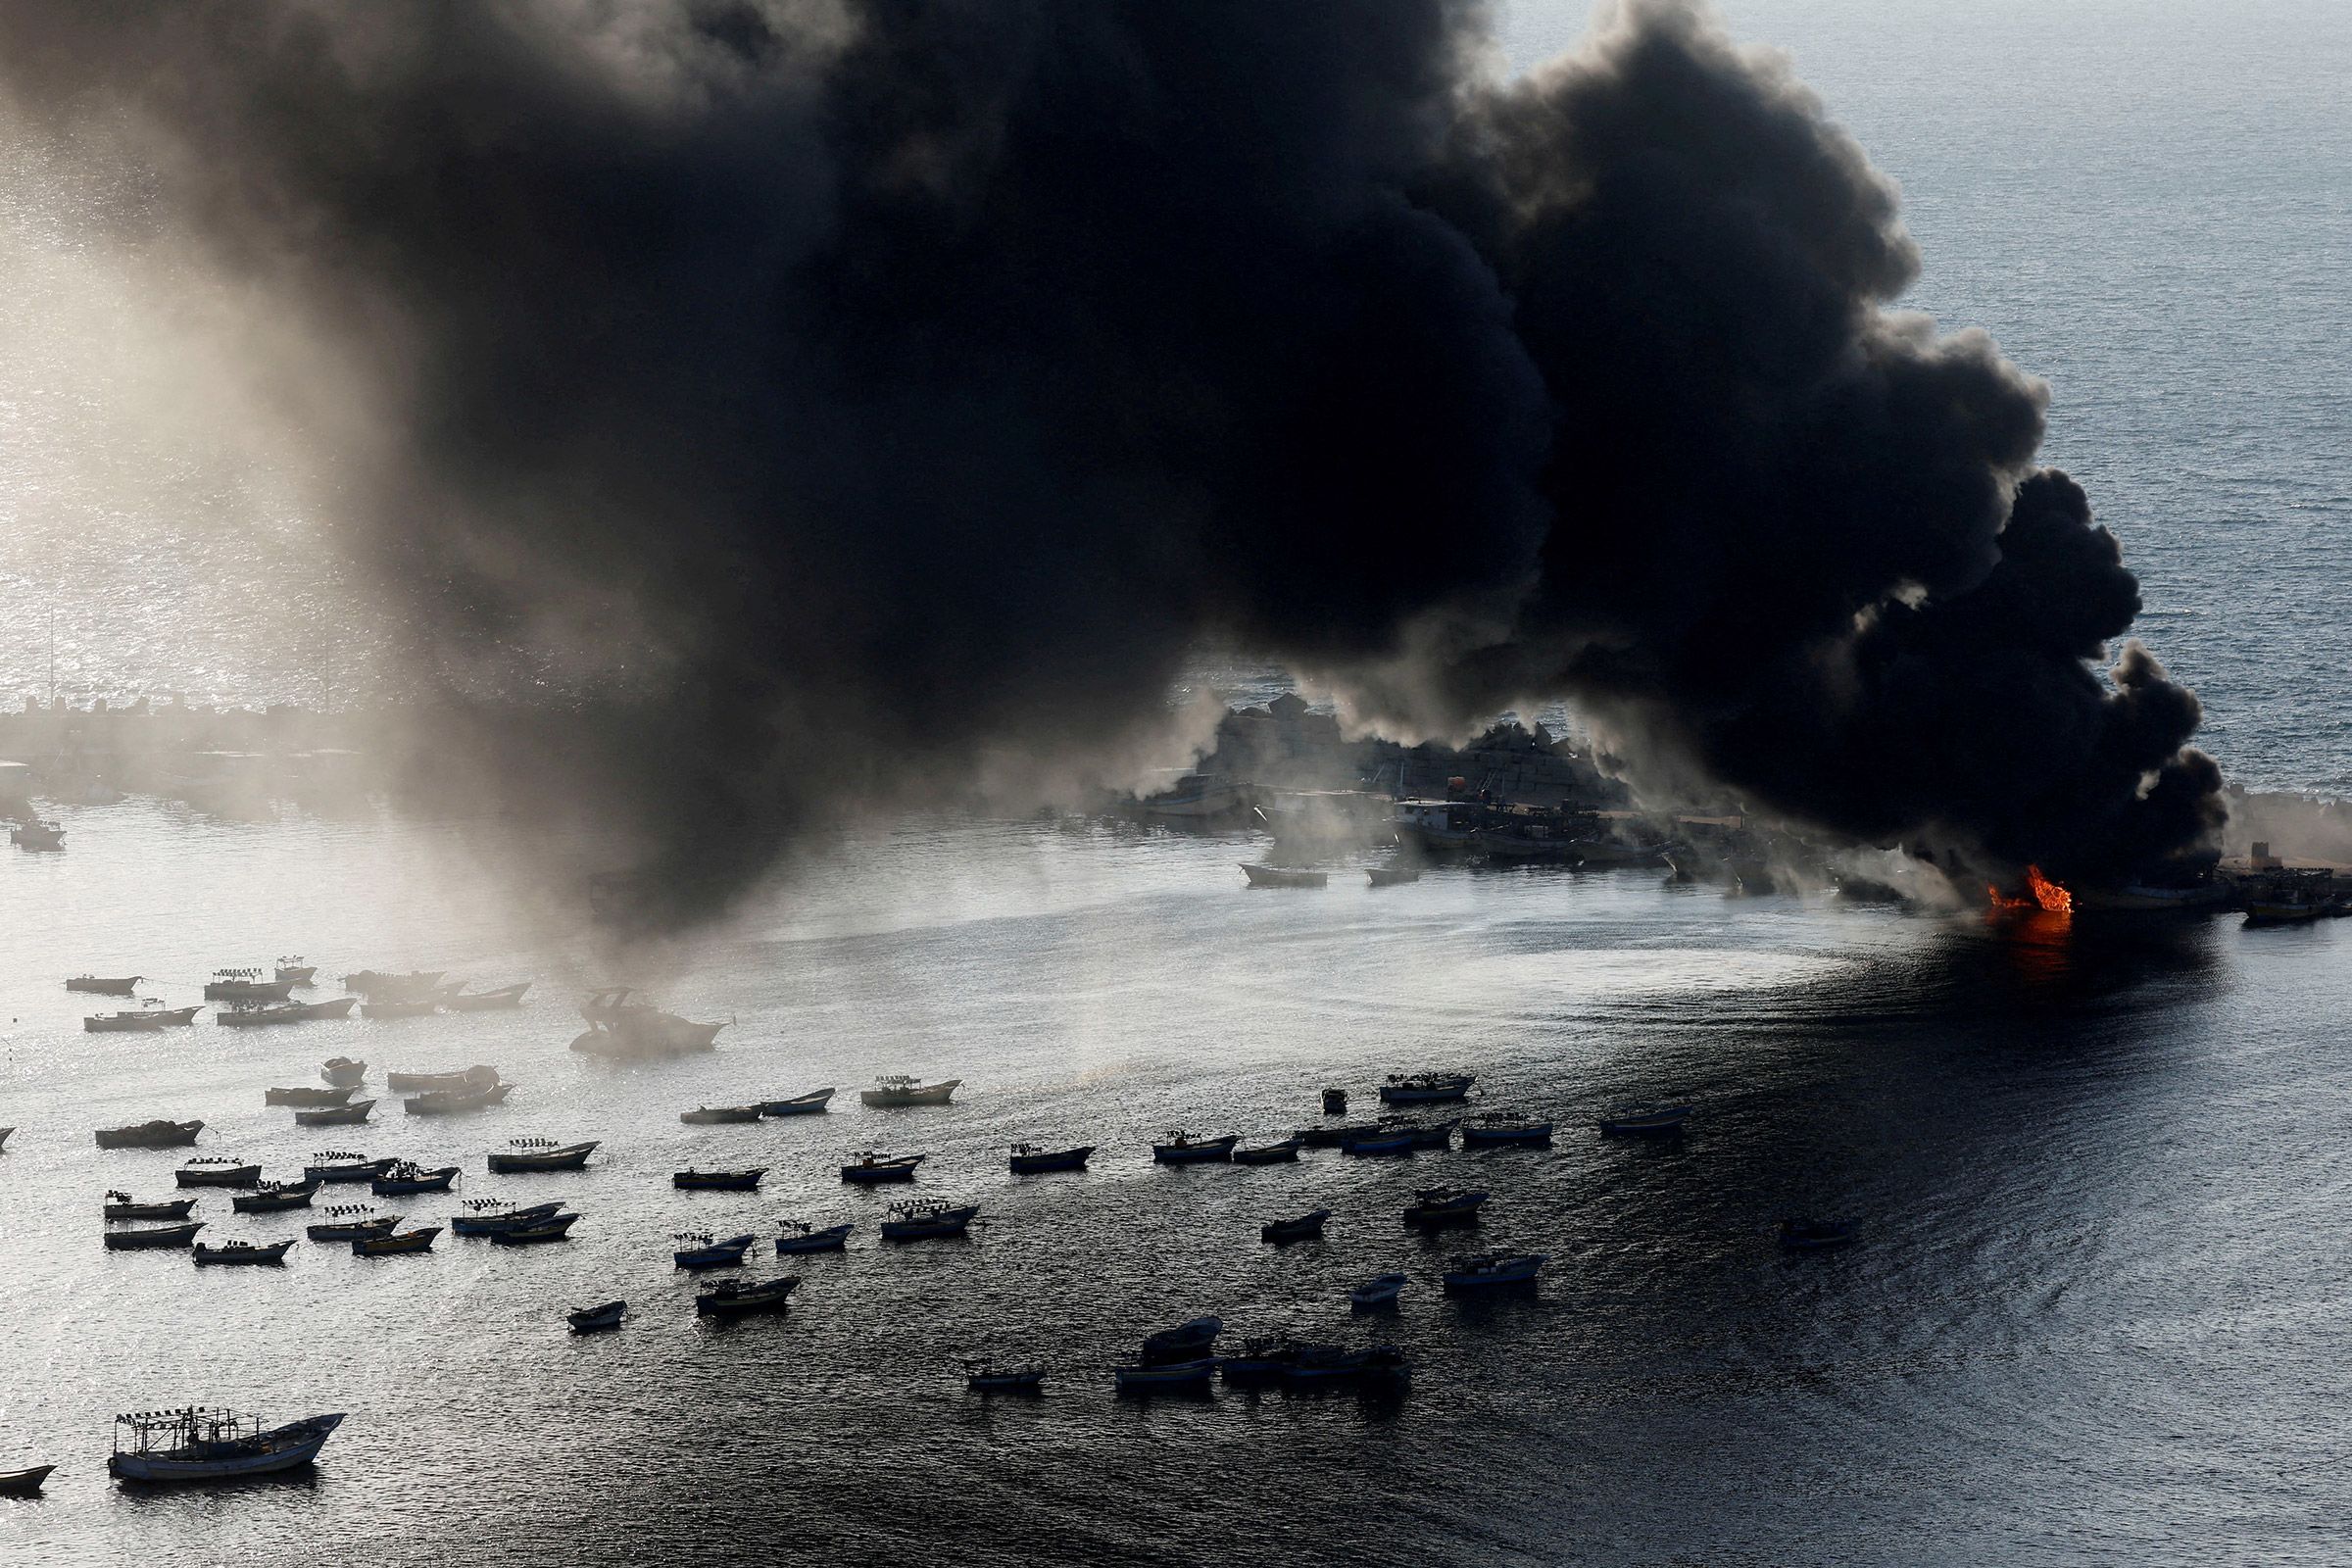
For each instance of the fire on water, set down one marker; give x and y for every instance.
(2040, 894)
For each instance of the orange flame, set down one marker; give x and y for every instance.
(2040, 894)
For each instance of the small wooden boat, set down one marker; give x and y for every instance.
(1331, 1136)
(403, 1177)
(1425, 1134)
(122, 1206)
(341, 1165)
(195, 1444)
(1335, 1101)
(352, 1222)
(1164, 1376)
(487, 1000)
(487, 1216)
(1277, 876)
(1028, 1160)
(24, 1483)
(305, 1098)
(869, 1168)
(927, 1219)
(526, 1155)
(147, 1021)
(1306, 1227)
(401, 1008)
(704, 1254)
(1505, 1127)
(897, 1089)
(1432, 1206)
(1817, 1235)
(719, 1115)
(811, 1103)
(718, 1181)
(1663, 1121)
(275, 1197)
(474, 1077)
(1185, 1342)
(241, 1254)
(1382, 1289)
(1378, 1141)
(557, 1228)
(1426, 1088)
(245, 985)
(149, 1135)
(798, 1236)
(1390, 876)
(456, 1102)
(1284, 1153)
(351, 1115)
(126, 984)
(598, 1319)
(1183, 1149)
(217, 1170)
(985, 1378)
(1489, 1270)
(395, 1245)
(343, 1072)
(160, 1236)
(735, 1299)
(293, 971)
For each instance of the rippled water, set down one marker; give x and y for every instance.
(2097, 1311)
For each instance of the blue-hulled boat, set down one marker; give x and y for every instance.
(706, 1254)
(798, 1236)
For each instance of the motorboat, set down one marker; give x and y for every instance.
(718, 1181)
(351, 1115)
(1489, 1270)
(488, 1216)
(401, 1008)
(702, 1253)
(1432, 1206)
(37, 836)
(456, 1102)
(143, 1022)
(897, 1089)
(1662, 1122)
(197, 1444)
(253, 1015)
(1164, 1376)
(527, 1154)
(1426, 1088)
(1306, 1227)
(988, 1378)
(350, 1223)
(1390, 876)
(1281, 876)
(504, 997)
(1185, 1342)
(242, 1255)
(245, 985)
(1029, 1159)
(122, 1206)
(125, 984)
(555, 1228)
(155, 1237)
(1183, 1149)
(343, 1072)
(927, 1219)
(376, 984)
(737, 1298)
(811, 1104)
(275, 1197)
(474, 1077)
(403, 1177)
(306, 1097)
(1378, 1141)
(1280, 1153)
(1382, 1289)
(719, 1115)
(598, 1319)
(397, 1244)
(869, 1168)
(293, 971)
(1817, 1235)
(342, 1165)
(1505, 1127)
(798, 1235)
(217, 1170)
(25, 1483)
(149, 1135)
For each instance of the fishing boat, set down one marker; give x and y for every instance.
(719, 1115)
(456, 1102)
(24, 1483)
(149, 1135)
(1378, 1141)
(173, 1017)
(702, 1253)
(1333, 1135)
(487, 1216)
(811, 1104)
(275, 1197)
(1424, 1133)
(122, 1206)
(624, 1026)
(1183, 1149)
(1505, 1127)
(37, 836)
(374, 983)
(736, 1298)
(403, 1177)
(1382, 1289)
(395, 1245)
(1164, 1376)
(1282, 1153)
(1432, 1206)
(1260, 1357)
(342, 1165)
(160, 1236)
(927, 1219)
(1426, 1088)
(1280, 876)
(350, 1223)
(198, 1444)
(1306, 1227)
(351, 1115)
(1185, 1342)
(293, 971)
(1390, 876)
(1478, 1271)
(1817, 1235)
(555, 1228)
(306, 1097)
(981, 1377)
(897, 1089)
(1335, 1101)
(217, 1170)
(123, 985)
(798, 1235)
(142, 1022)
(255, 1015)
(476, 1077)
(869, 1168)
(343, 1072)
(1327, 1367)
(1195, 794)
(241, 1254)
(526, 1155)
(245, 985)
(400, 1007)
(2287, 912)
(504, 997)
(1029, 1159)
(1662, 1122)
(598, 1319)
(718, 1181)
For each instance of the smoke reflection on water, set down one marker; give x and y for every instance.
(2070, 1148)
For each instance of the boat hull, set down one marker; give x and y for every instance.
(178, 1209)
(1059, 1159)
(242, 1256)
(571, 1158)
(351, 1115)
(718, 1181)
(437, 1181)
(292, 1446)
(1269, 876)
(1218, 1150)
(810, 1105)
(774, 1296)
(170, 1236)
(1283, 1154)
(217, 1176)
(894, 1099)
(834, 1239)
(874, 1175)
(150, 1134)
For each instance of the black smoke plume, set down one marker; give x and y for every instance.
(818, 397)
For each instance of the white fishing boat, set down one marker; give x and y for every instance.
(198, 1443)
(898, 1089)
